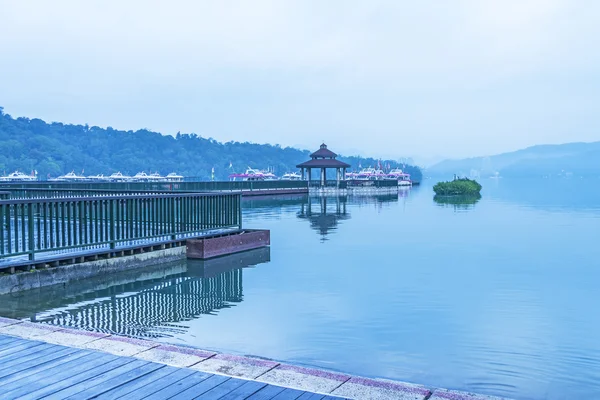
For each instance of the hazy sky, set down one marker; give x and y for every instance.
(393, 78)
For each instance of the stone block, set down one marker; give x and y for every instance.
(312, 380)
(238, 366)
(380, 389)
(175, 356)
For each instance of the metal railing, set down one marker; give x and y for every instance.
(221, 186)
(30, 227)
(43, 193)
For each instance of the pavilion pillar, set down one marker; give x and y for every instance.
(309, 175)
(337, 177)
(302, 169)
(323, 177)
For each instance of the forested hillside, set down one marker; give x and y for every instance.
(53, 149)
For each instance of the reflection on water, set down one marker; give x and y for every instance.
(501, 299)
(327, 214)
(142, 304)
(459, 203)
(324, 213)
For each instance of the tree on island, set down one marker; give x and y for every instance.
(458, 187)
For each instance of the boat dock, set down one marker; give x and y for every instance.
(53, 362)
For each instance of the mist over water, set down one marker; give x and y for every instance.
(497, 295)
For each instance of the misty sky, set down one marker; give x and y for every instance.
(393, 78)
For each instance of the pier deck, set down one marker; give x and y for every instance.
(54, 362)
(32, 369)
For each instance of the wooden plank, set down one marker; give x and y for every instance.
(244, 391)
(77, 375)
(25, 344)
(97, 379)
(159, 384)
(222, 389)
(6, 340)
(37, 365)
(267, 393)
(24, 383)
(33, 359)
(200, 388)
(289, 394)
(117, 381)
(179, 386)
(139, 383)
(22, 350)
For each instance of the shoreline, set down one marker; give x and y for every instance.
(322, 381)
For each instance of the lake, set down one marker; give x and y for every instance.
(496, 296)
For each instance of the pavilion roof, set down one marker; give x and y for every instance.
(323, 152)
(323, 163)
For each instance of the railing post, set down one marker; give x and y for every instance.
(173, 225)
(30, 225)
(111, 212)
(239, 205)
(2, 229)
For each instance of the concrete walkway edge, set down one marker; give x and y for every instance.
(253, 369)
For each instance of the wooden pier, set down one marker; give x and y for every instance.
(32, 369)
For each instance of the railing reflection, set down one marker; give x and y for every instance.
(151, 307)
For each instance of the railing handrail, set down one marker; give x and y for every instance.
(119, 197)
(173, 186)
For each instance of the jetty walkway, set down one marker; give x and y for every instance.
(53, 362)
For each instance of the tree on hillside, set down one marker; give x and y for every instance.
(55, 148)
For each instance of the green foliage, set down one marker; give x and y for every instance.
(457, 187)
(54, 149)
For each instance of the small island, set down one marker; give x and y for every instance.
(458, 187)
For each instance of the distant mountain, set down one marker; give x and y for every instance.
(53, 149)
(579, 159)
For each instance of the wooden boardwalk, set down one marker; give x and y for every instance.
(31, 369)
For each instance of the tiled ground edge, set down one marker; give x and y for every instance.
(428, 393)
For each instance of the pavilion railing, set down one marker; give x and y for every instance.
(33, 227)
(329, 184)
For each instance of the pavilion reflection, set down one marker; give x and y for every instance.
(152, 305)
(324, 213)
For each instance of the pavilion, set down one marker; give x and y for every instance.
(324, 159)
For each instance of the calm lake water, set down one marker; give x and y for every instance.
(497, 297)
